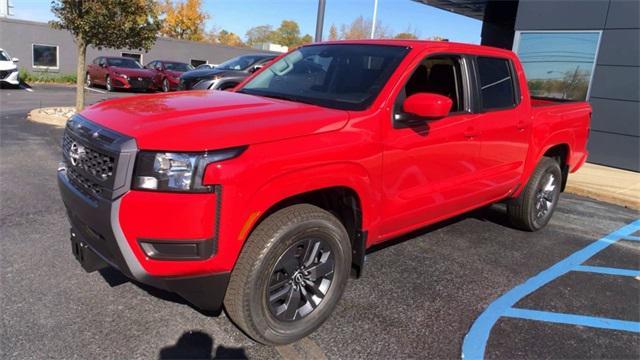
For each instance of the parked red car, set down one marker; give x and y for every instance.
(267, 198)
(119, 73)
(166, 74)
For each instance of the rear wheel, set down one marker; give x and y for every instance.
(533, 209)
(290, 275)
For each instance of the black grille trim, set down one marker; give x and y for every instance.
(103, 167)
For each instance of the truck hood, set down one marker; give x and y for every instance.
(209, 120)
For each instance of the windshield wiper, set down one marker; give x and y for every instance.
(278, 96)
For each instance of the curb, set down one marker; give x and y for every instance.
(56, 116)
(611, 198)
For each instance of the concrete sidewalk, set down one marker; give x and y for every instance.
(607, 184)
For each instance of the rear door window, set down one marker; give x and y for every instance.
(497, 87)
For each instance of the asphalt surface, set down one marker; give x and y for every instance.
(417, 298)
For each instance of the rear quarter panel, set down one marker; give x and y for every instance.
(556, 124)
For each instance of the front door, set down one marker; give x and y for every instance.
(429, 165)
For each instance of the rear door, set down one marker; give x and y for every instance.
(504, 126)
(429, 165)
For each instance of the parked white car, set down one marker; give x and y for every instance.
(8, 69)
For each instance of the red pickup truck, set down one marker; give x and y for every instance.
(266, 199)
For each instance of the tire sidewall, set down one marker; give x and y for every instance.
(108, 83)
(549, 166)
(165, 85)
(285, 332)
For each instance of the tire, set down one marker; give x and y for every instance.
(533, 209)
(88, 81)
(165, 85)
(107, 82)
(274, 269)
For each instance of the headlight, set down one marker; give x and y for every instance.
(170, 171)
(123, 76)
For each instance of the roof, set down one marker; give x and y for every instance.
(471, 8)
(421, 44)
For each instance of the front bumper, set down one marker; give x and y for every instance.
(12, 77)
(98, 241)
(114, 225)
(132, 83)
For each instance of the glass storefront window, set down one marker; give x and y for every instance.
(558, 64)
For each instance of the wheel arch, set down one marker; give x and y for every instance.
(344, 203)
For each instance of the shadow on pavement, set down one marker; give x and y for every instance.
(198, 345)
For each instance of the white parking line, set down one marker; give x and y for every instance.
(96, 90)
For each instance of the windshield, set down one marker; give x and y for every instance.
(240, 63)
(124, 63)
(342, 76)
(176, 66)
(4, 56)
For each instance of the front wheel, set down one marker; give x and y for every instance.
(165, 85)
(108, 83)
(533, 209)
(290, 275)
(88, 81)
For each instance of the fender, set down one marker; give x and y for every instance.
(539, 148)
(343, 174)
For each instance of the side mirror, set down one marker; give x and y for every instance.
(427, 105)
(159, 67)
(15, 60)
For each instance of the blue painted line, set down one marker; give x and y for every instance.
(572, 319)
(475, 342)
(607, 270)
(634, 238)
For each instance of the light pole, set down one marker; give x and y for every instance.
(375, 15)
(320, 20)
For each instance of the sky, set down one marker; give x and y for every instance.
(239, 15)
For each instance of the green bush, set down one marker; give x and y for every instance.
(46, 77)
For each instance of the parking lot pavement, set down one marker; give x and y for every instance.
(418, 298)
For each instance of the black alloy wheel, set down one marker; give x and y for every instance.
(300, 279)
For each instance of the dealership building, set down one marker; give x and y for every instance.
(577, 50)
(41, 48)
(571, 49)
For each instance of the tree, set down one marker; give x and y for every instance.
(406, 35)
(333, 32)
(409, 34)
(184, 20)
(229, 38)
(260, 34)
(288, 34)
(437, 38)
(131, 24)
(360, 28)
(307, 39)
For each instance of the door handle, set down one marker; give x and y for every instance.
(521, 126)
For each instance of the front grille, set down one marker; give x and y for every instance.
(94, 162)
(142, 84)
(5, 73)
(84, 185)
(98, 160)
